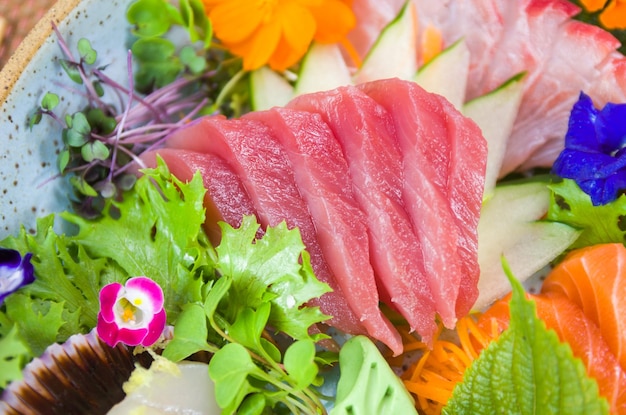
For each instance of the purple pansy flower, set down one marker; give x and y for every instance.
(15, 272)
(132, 314)
(595, 153)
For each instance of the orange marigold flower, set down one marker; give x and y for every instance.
(277, 32)
(613, 14)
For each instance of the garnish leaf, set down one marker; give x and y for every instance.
(367, 384)
(300, 363)
(148, 19)
(194, 18)
(158, 234)
(599, 224)
(78, 130)
(159, 67)
(526, 370)
(87, 53)
(38, 321)
(271, 266)
(13, 354)
(81, 185)
(196, 64)
(229, 368)
(49, 101)
(95, 150)
(72, 70)
(190, 334)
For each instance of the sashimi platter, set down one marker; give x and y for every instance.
(315, 207)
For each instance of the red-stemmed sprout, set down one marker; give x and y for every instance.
(104, 140)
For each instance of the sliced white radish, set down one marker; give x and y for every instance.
(394, 54)
(495, 114)
(446, 74)
(323, 68)
(510, 225)
(268, 89)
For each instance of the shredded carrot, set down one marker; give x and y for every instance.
(351, 52)
(431, 44)
(432, 378)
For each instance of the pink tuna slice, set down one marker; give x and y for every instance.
(268, 177)
(366, 134)
(444, 166)
(225, 200)
(560, 56)
(322, 175)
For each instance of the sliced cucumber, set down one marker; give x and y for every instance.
(510, 225)
(394, 54)
(323, 68)
(495, 114)
(268, 89)
(447, 73)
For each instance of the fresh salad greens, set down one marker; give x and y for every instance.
(221, 299)
(599, 224)
(246, 300)
(526, 371)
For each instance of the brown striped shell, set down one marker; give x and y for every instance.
(81, 376)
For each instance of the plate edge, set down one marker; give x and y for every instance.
(20, 59)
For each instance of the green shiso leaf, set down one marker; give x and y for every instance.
(527, 370)
(599, 224)
(367, 384)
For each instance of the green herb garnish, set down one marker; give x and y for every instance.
(599, 224)
(527, 370)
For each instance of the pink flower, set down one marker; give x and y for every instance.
(132, 314)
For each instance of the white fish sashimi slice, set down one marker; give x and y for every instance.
(560, 56)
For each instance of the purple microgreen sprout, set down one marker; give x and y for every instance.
(15, 272)
(104, 140)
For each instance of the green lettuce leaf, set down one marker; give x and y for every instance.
(13, 352)
(599, 224)
(269, 269)
(527, 370)
(157, 233)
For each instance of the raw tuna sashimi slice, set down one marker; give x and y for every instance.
(322, 176)
(366, 136)
(560, 56)
(338, 247)
(584, 337)
(444, 164)
(225, 199)
(594, 278)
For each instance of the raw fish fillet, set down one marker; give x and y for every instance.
(367, 137)
(571, 324)
(444, 164)
(594, 279)
(225, 199)
(322, 176)
(561, 57)
(337, 244)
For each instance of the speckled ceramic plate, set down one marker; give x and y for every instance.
(28, 187)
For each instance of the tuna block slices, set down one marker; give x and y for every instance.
(384, 182)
